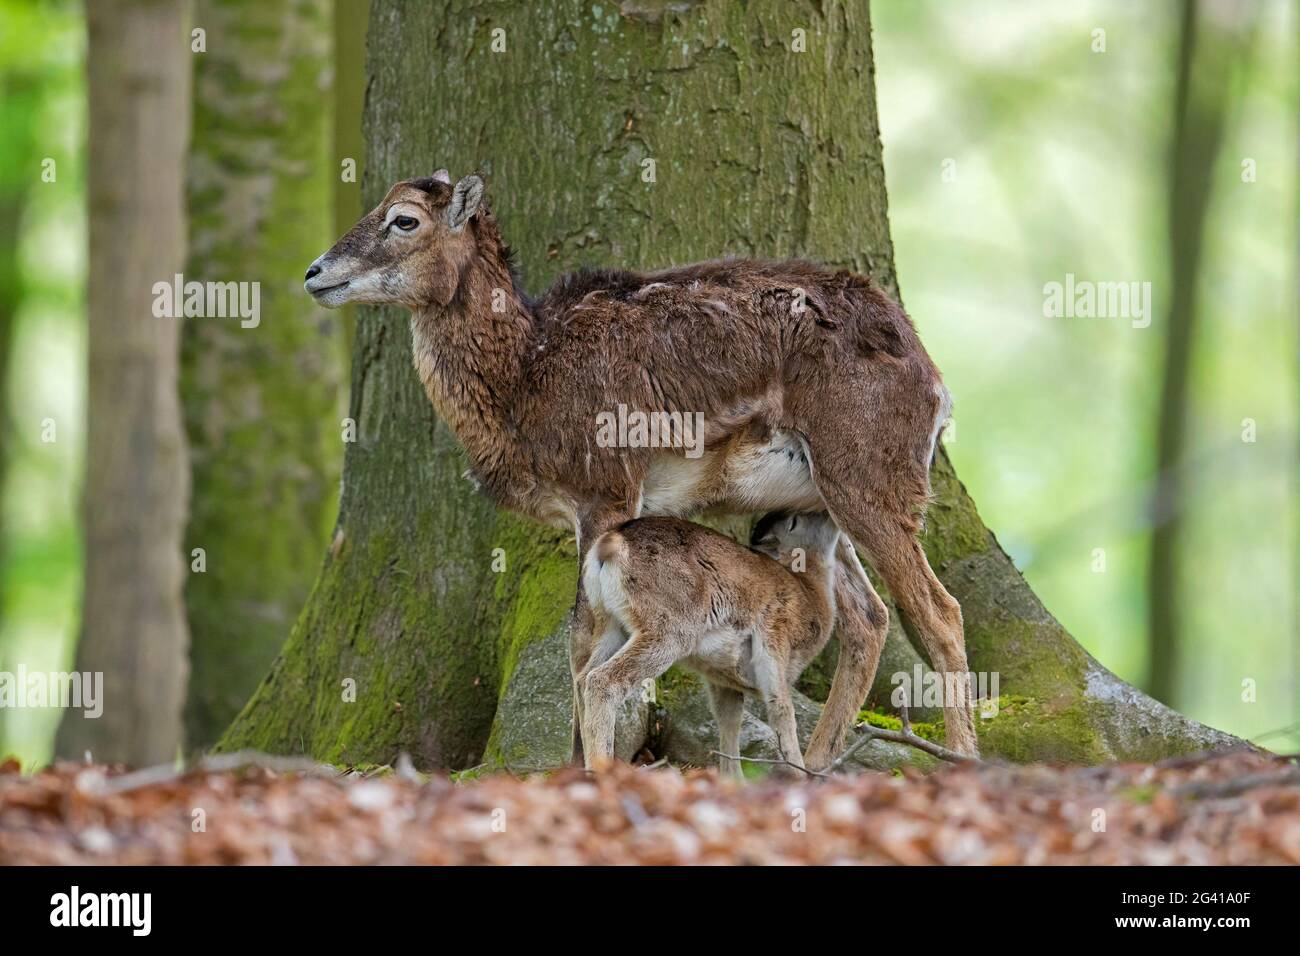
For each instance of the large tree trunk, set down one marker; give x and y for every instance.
(133, 622)
(261, 403)
(757, 149)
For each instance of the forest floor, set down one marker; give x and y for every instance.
(1233, 809)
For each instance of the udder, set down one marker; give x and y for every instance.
(770, 472)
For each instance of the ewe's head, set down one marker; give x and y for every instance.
(409, 251)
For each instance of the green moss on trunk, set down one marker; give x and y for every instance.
(262, 403)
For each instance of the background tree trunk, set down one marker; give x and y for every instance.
(1209, 50)
(262, 404)
(133, 622)
(351, 21)
(639, 135)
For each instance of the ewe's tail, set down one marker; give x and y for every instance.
(941, 419)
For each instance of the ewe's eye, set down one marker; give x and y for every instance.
(405, 223)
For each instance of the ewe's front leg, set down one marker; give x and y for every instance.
(861, 623)
(582, 641)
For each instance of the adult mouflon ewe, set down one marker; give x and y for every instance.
(815, 391)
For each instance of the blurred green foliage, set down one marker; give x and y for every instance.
(42, 117)
(1056, 163)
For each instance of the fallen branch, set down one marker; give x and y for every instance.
(906, 736)
(768, 760)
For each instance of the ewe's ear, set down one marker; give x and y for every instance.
(442, 176)
(464, 201)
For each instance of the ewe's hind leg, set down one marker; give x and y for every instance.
(870, 461)
(861, 622)
(728, 707)
(935, 619)
(607, 686)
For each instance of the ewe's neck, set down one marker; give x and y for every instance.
(470, 359)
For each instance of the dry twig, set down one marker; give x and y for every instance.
(779, 761)
(906, 736)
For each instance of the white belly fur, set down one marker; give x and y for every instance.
(756, 477)
(725, 656)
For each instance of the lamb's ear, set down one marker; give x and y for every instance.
(442, 176)
(464, 201)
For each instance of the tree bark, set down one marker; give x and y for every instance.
(262, 405)
(757, 150)
(133, 622)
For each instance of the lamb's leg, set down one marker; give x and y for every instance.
(585, 624)
(780, 714)
(611, 639)
(728, 705)
(861, 623)
(606, 687)
(771, 672)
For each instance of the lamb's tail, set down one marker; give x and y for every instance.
(602, 574)
(610, 546)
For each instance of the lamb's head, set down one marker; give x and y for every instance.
(796, 539)
(410, 250)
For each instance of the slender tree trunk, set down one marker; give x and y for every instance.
(1208, 51)
(261, 402)
(351, 20)
(133, 622)
(630, 135)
